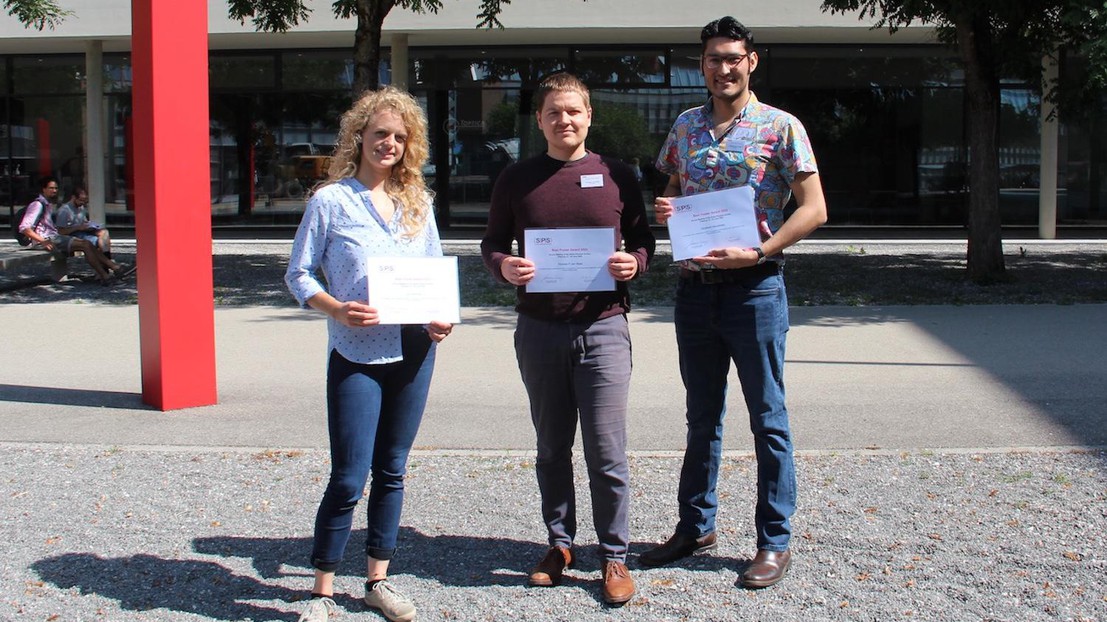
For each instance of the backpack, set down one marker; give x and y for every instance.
(18, 220)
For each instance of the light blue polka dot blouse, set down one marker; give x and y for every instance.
(340, 229)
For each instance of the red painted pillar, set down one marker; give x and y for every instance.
(172, 204)
(45, 164)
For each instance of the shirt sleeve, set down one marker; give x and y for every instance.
(638, 240)
(434, 241)
(496, 245)
(307, 251)
(64, 217)
(30, 216)
(796, 154)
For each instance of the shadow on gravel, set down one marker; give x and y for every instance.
(72, 397)
(144, 582)
(458, 561)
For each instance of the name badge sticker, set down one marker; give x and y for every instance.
(591, 181)
(739, 138)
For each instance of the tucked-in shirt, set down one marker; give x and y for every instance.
(542, 192)
(765, 147)
(340, 229)
(45, 227)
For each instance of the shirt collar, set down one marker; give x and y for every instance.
(751, 105)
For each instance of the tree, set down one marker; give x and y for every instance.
(283, 15)
(37, 14)
(994, 38)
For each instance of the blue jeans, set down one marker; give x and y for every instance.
(373, 414)
(744, 321)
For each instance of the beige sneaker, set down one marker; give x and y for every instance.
(318, 610)
(385, 598)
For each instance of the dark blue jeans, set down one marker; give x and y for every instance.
(373, 414)
(744, 321)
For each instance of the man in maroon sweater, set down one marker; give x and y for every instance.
(573, 348)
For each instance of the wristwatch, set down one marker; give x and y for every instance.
(760, 255)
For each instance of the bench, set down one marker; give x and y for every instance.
(16, 259)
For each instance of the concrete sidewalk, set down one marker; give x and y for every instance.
(984, 377)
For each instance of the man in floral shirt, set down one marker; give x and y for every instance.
(731, 303)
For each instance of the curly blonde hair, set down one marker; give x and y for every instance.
(406, 185)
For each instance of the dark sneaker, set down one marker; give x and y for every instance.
(618, 587)
(677, 547)
(384, 597)
(548, 571)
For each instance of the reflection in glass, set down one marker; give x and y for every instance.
(58, 73)
(241, 71)
(620, 68)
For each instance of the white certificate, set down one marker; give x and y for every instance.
(570, 260)
(710, 220)
(414, 290)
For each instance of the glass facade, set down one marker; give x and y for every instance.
(887, 123)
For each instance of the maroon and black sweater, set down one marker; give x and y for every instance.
(542, 192)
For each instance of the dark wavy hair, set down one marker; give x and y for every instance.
(729, 28)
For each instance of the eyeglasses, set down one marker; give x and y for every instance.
(732, 62)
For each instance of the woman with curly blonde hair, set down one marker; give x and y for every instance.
(374, 202)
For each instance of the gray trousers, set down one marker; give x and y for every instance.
(580, 372)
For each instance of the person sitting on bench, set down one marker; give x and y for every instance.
(38, 226)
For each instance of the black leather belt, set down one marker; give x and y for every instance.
(736, 275)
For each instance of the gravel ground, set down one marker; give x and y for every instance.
(198, 534)
(131, 533)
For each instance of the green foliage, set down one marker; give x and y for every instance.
(500, 120)
(283, 15)
(269, 15)
(37, 14)
(619, 131)
(1014, 36)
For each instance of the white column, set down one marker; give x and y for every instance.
(1047, 173)
(399, 60)
(95, 152)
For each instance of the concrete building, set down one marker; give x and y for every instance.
(885, 113)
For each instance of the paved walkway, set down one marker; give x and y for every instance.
(858, 378)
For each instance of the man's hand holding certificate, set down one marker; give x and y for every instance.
(704, 222)
(570, 260)
(414, 290)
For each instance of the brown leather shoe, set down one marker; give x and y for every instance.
(767, 568)
(677, 547)
(548, 571)
(618, 587)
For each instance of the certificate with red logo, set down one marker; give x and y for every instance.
(570, 260)
(721, 219)
(414, 290)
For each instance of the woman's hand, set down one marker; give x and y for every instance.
(355, 314)
(439, 330)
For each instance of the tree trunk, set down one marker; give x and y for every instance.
(985, 243)
(367, 44)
